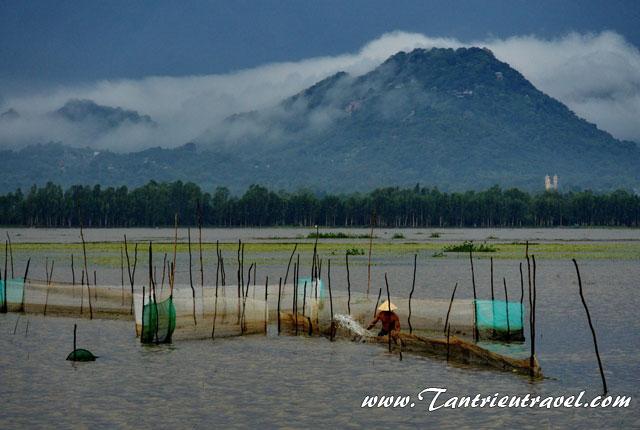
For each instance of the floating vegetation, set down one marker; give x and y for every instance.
(468, 246)
(434, 235)
(398, 236)
(337, 235)
(355, 251)
(438, 254)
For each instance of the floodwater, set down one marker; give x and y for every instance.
(286, 381)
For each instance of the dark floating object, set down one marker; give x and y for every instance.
(79, 354)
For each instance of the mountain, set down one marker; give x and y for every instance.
(104, 117)
(457, 119)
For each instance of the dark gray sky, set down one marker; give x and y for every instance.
(60, 42)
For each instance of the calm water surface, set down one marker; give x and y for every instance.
(284, 381)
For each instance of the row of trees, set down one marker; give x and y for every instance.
(155, 204)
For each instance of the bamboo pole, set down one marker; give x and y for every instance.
(84, 252)
(200, 247)
(346, 254)
(593, 331)
(10, 253)
(389, 308)
(6, 284)
(217, 261)
(295, 246)
(49, 276)
(448, 335)
(26, 273)
(314, 273)
(532, 332)
(73, 271)
(175, 252)
(152, 289)
(142, 317)
(446, 321)
(304, 299)
(521, 299)
(506, 301)
(375, 309)
(215, 303)
(373, 220)
(294, 304)
(121, 272)
(75, 329)
(193, 290)
(476, 335)
(131, 273)
(279, 295)
(492, 292)
(266, 308)
(333, 326)
(164, 267)
(413, 286)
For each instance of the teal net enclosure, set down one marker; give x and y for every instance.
(499, 319)
(204, 314)
(158, 321)
(13, 292)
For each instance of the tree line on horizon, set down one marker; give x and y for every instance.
(156, 204)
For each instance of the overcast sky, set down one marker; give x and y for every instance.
(196, 61)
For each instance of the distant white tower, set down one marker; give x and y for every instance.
(547, 183)
(555, 182)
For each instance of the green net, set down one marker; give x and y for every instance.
(158, 321)
(14, 292)
(497, 318)
(312, 286)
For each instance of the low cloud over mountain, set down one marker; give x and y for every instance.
(595, 75)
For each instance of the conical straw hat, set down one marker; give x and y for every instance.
(385, 306)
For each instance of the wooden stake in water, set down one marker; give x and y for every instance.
(375, 309)
(131, 272)
(476, 335)
(506, 305)
(389, 308)
(286, 276)
(521, 298)
(73, 271)
(193, 290)
(26, 273)
(333, 325)
(593, 331)
(86, 270)
(49, 276)
(172, 278)
(413, 286)
(266, 308)
(10, 254)
(200, 246)
(75, 329)
(6, 281)
(446, 322)
(215, 304)
(279, 295)
(373, 221)
(346, 255)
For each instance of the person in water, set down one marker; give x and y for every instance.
(388, 318)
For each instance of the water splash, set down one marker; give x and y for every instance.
(347, 322)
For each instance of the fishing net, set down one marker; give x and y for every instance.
(158, 321)
(499, 319)
(427, 315)
(14, 294)
(63, 299)
(194, 316)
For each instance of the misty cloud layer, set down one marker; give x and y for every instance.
(596, 75)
